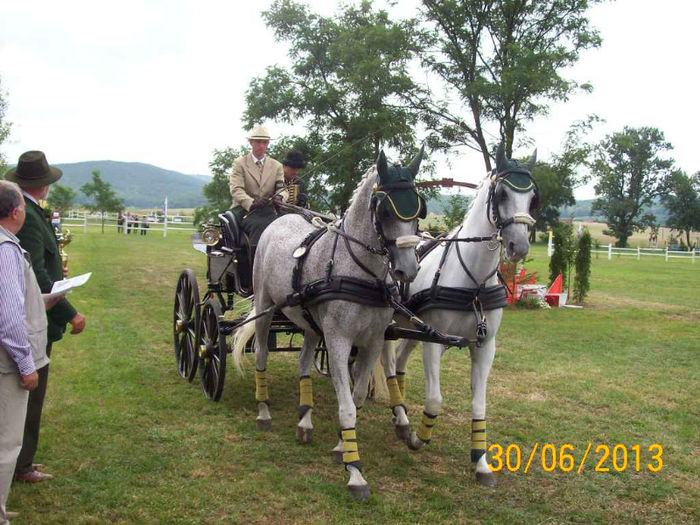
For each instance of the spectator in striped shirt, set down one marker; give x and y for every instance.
(22, 334)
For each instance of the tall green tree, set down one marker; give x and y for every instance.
(345, 76)
(630, 173)
(4, 127)
(104, 197)
(682, 200)
(61, 197)
(500, 63)
(455, 210)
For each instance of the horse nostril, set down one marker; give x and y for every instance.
(511, 247)
(399, 275)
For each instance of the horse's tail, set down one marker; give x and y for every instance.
(381, 389)
(241, 336)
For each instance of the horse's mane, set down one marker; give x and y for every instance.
(355, 193)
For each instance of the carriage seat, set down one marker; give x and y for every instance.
(231, 231)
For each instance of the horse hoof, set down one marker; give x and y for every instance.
(338, 456)
(487, 479)
(264, 424)
(359, 492)
(403, 432)
(304, 435)
(414, 442)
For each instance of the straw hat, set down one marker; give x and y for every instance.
(259, 133)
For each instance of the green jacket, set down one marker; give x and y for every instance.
(38, 239)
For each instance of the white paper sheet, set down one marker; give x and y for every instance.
(66, 285)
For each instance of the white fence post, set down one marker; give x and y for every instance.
(692, 257)
(550, 247)
(666, 253)
(165, 225)
(85, 223)
(609, 251)
(639, 253)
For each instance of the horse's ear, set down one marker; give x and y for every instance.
(501, 157)
(415, 163)
(531, 161)
(382, 167)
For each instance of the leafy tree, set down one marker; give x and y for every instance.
(682, 200)
(630, 175)
(564, 250)
(4, 127)
(558, 179)
(105, 199)
(583, 267)
(455, 210)
(61, 197)
(499, 62)
(345, 75)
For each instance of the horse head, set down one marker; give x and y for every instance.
(513, 199)
(396, 207)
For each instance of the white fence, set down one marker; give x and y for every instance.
(644, 252)
(141, 225)
(611, 250)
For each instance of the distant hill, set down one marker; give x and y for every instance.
(582, 211)
(140, 185)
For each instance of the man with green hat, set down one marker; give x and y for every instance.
(34, 175)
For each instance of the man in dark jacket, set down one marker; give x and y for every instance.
(34, 175)
(292, 164)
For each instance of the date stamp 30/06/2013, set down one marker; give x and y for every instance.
(566, 458)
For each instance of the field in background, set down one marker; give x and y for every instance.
(131, 442)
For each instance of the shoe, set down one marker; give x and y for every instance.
(38, 466)
(33, 477)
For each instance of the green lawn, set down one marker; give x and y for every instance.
(131, 442)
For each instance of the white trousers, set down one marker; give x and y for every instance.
(13, 410)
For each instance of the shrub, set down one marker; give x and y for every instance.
(583, 267)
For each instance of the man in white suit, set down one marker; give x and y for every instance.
(256, 182)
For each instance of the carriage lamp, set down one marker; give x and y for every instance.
(211, 236)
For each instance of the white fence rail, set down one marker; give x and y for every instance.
(141, 225)
(611, 250)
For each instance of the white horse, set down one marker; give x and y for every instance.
(450, 277)
(344, 299)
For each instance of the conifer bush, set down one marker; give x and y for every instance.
(583, 267)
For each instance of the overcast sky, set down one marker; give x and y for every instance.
(163, 81)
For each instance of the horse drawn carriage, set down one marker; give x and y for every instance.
(338, 293)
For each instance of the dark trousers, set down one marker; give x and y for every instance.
(255, 221)
(30, 441)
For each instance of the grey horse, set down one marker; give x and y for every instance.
(450, 276)
(376, 235)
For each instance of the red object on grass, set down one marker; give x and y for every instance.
(557, 285)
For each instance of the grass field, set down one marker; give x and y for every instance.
(131, 442)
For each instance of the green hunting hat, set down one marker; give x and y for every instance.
(396, 192)
(33, 171)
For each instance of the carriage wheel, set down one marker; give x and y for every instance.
(212, 351)
(185, 323)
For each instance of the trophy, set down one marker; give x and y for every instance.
(64, 238)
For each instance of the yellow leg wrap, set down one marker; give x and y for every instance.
(395, 396)
(261, 394)
(425, 431)
(306, 395)
(478, 439)
(401, 380)
(350, 451)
